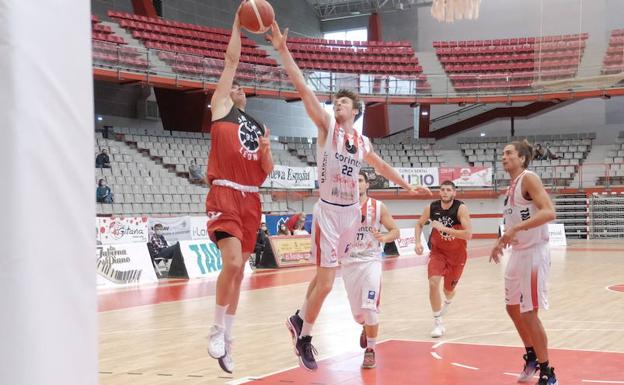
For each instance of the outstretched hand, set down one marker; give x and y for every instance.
(416, 190)
(276, 37)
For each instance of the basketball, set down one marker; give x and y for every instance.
(256, 16)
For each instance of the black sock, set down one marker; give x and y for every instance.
(544, 369)
(530, 353)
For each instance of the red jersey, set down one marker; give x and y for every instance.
(234, 154)
(439, 243)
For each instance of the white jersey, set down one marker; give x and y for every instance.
(518, 209)
(365, 247)
(339, 162)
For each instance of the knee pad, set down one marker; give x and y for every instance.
(371, 317)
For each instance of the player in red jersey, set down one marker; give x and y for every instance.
(239, 162)
(451, 229)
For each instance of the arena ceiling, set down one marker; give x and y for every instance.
(338, 9)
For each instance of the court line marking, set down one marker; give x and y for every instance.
(614, 291)
(464, 366)
(603, 381)
(436, 355)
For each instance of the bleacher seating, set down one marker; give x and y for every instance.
(112, 50)
(613, 62)
(416, 153)
(615, 160)
(197, 50)
(149, 172)
(395, 58)
(514, 63)
(572, 149)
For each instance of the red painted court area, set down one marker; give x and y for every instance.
(411, 362)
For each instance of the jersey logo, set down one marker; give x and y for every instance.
(249, 134)
(371, 294)
(525, 214)
(351, 148)
(448, 222)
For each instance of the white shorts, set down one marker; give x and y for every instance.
(526, 278)
(362, 281)
(333, 230)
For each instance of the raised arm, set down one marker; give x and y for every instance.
(420, 223)
(319, 116)
(221, 103)
(384, 169)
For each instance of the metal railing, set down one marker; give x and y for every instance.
(187, 66)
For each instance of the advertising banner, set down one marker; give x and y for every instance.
(425, 176)
(292, 251)
(202, 259)
(123, 264)
(121, 230)
(174, 228)
(467, 176)
(407, 242)
(199, 227)
(287, 177)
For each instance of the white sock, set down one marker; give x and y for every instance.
(447, 302)
(229, 322)
(302, 311)
(437, 314)
(306, 330)
(370, 343)
(219, 317)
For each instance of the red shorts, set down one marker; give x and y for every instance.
(451, 270)
(235, 213)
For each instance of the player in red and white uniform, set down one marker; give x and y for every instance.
(361, 270)
(451, 230)
(239, 162)
(341, 150)
(528, 209)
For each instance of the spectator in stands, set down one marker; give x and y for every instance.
(102, 160)
(550, 154)
(299, 228)
(158, 246)
(294, 219)
(539, 152)
(261, 240)
(103, 194)
(283, 230)
(195, 172)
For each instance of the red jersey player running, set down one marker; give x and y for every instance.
(361, 270)
(451, 229)
(528, 209)
(340, 154)
(240, 160)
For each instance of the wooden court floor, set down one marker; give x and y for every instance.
(158, 334)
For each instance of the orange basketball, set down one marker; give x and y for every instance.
(256, 16)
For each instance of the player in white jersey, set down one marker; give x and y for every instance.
(341, 151)
(528, 209)
(361, 270)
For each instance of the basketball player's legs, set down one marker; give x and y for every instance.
(362, 281)
(436, 269)
(524, 295)
(318, 290)
(533, 285)
(435, 299)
